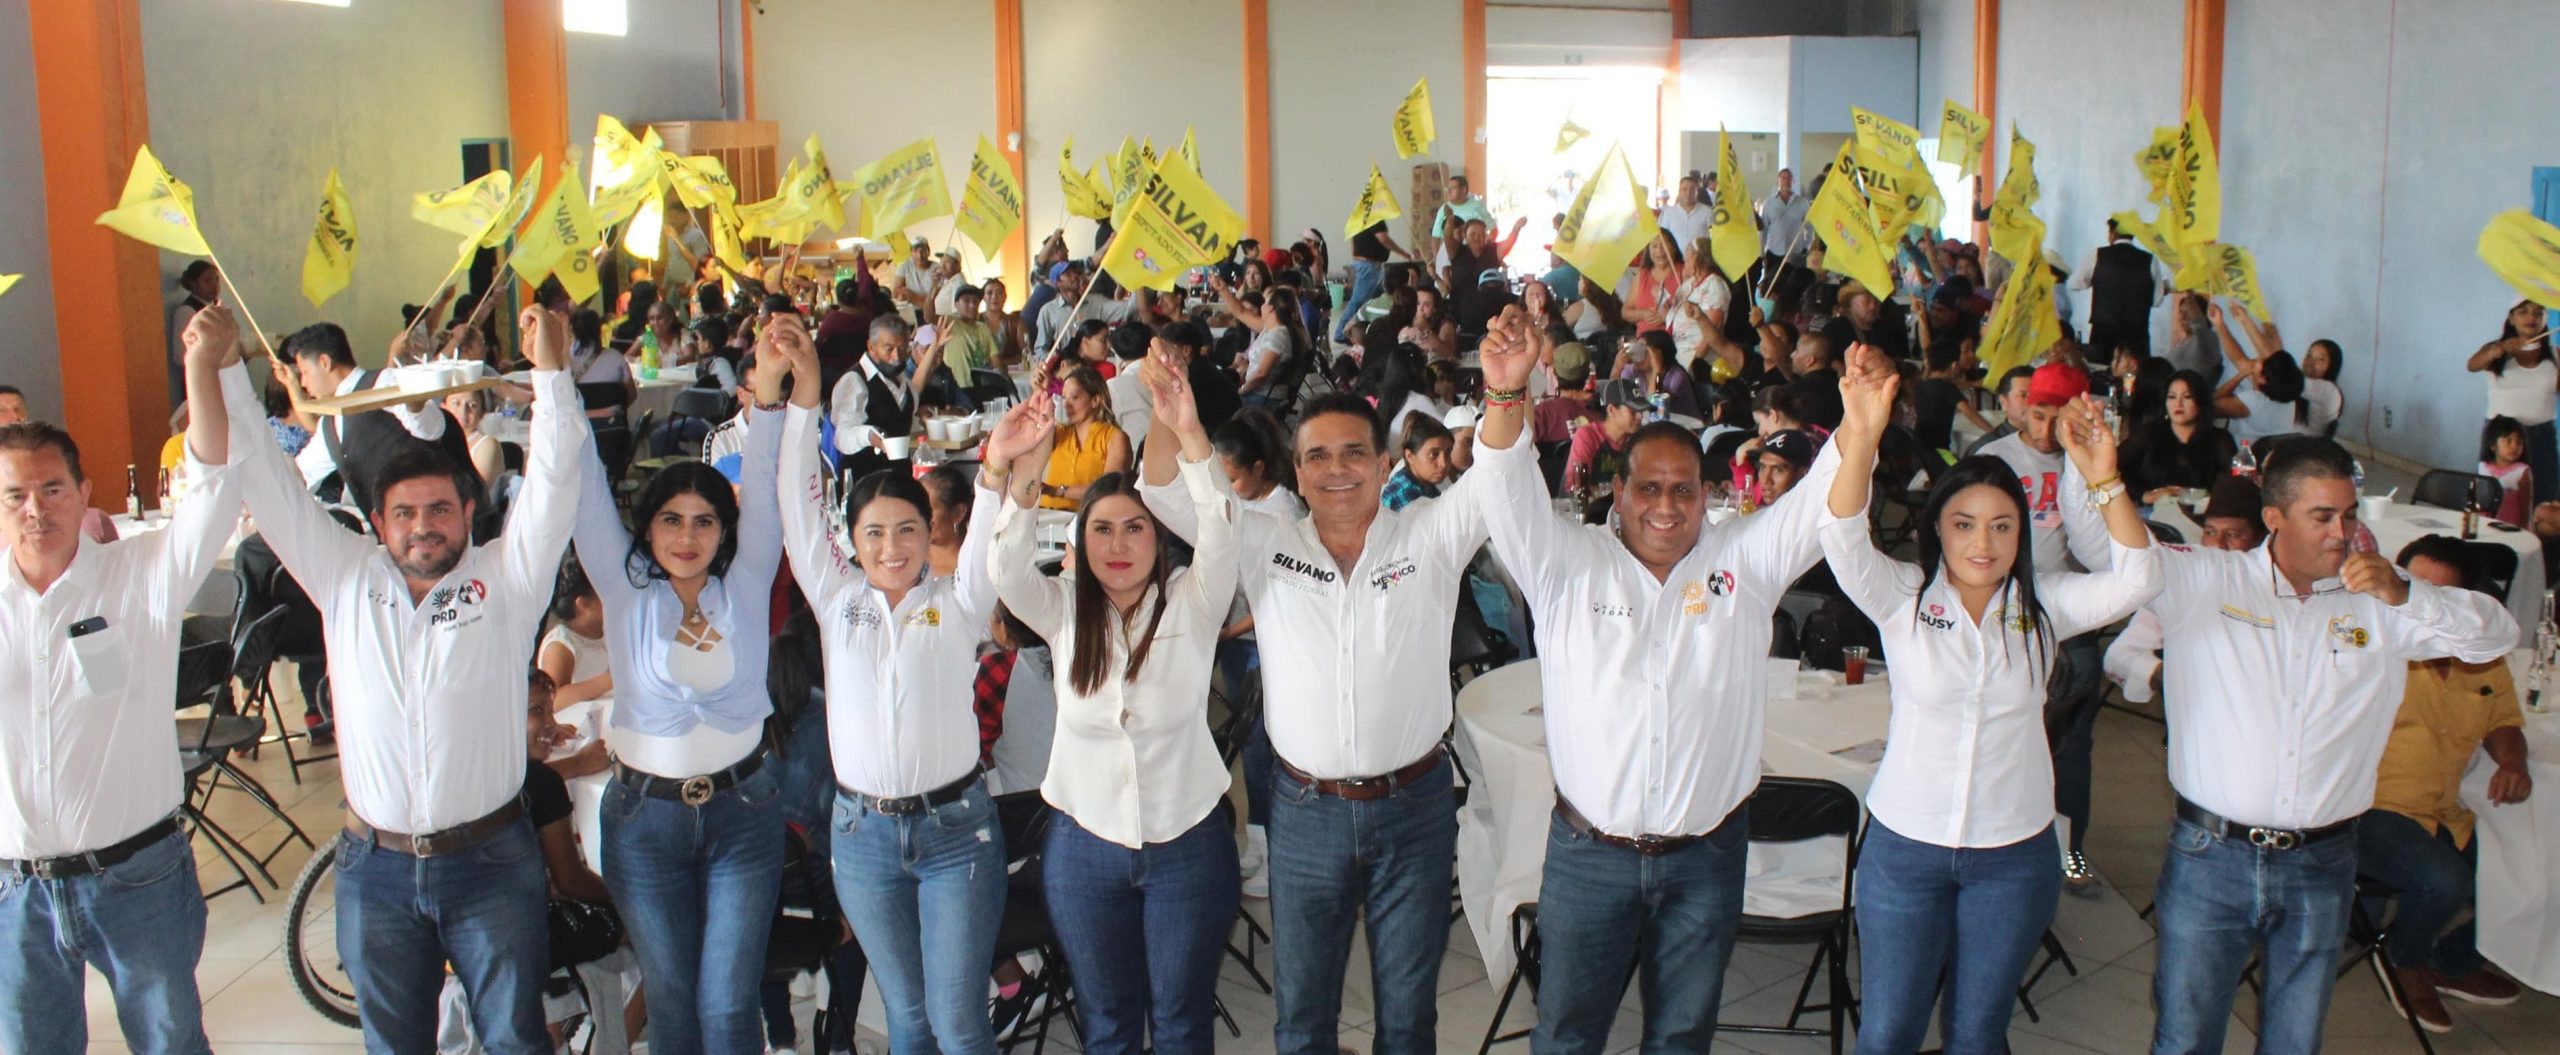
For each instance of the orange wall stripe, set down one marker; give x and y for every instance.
(1471, 61)
(1257, 121)
(91, 115)
(747, 55)
(2203, 87)
(537, 91)
(1986, 92)
(1016, 258)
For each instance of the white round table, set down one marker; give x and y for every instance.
(1829, 730)
(2405, 523)
(2517, 901)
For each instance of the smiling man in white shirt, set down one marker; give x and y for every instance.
(94, 869)
(2285, 669)
(1352, 606)
(1653, 640)
(428, 639)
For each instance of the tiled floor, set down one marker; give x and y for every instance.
(252, 1009)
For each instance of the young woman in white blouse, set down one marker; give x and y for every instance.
(918, 853)
(1960, 870)
(1140, 864)
(692, 834)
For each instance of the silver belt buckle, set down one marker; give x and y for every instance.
(2274, 838)
(695, 791)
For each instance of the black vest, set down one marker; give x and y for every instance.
(2120, 286)
(361, 444)
(884, 412)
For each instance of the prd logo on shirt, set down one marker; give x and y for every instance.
(1395, 572)
(1693, 598)
(449, 601)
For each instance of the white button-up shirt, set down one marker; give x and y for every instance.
(2065, 528)
(1654, 690)
(1133, 761)
(88, 750)
(899, 715)
(430, 694)
(1965, 758)
(2279, 703)
(1355, 663)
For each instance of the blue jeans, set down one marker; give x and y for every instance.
(925, 893)
(1143, 930)
(1973, 916)
(1367, 278)
(1603, 909)
(2219, 898)
(485, 909)
(1240, 658)
(141, 923)
(696, 886)
(1331, 859)
(2436, 879)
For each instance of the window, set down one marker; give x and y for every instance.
(610, 18)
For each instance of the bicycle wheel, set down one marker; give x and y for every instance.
(311, 940)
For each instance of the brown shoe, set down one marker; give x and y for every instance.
(2417, 991)
(2480, 986)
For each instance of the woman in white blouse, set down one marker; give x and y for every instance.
(918, 853)
(1140, 864)
(1959, 870)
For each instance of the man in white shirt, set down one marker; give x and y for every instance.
(1352, 606)
(877, 402)
(94, 868)
(1072, 307)
(1782, 216)
(1652, 641)
(2287, 667)
(2231, 522)
(1687, 219)
(428, 639)
(325, 365)
(914, 285)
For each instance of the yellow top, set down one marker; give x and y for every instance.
(1078, 460)
(2449, 708)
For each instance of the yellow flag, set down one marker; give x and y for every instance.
(2222, 270)
(2156, 159)
(1850, 244)
(7, 281)
(1086, 196)
(1377, 203)
(724, 239)
(468, 210)
(647, 230)
(519, 205)
(1897, 195)
(902, 189)
(329, 262)
(2016, 234)
(700, 181)
(1884, 135)
(1128, 172)
(1189, 151)
(1961, 133)
(1412, 127)
(2193, 213)
(156, 209)
(815, 193)
(2023, 325)
(1733, 238)
(561, 242)
(1608, 223)
(2150, 238)
(2525, 251)
(1569, 133)
(625, 173)
(991, 202)
(1176, 222)
(2022, 171)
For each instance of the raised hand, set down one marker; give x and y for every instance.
(2213, 313)
(545, 338)
(2372, 575)
(212, 337)
(1867, 384)
(1506, 353)
(1022, 430)
(1169, 393)
(2087, 439)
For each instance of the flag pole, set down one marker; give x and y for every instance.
(237, 301)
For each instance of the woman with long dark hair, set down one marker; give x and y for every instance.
(2523, 381)
(1960, 870)
(2182, 449)
(1140, 868)
(692, 834)
(1651, 361)
(917, 851)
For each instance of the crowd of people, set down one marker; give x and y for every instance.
(817, 645)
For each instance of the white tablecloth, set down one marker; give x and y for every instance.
(1831, 731)
(2406, 523)
(2518, 904)
(586, 794)
(658, 397)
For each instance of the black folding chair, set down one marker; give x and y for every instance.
(2448, 489)
(1794, 810)
(1048, 992)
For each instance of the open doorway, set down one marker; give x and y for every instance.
(1532, 179)
(479, 158)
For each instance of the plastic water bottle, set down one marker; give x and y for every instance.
(648, 355)
(2245, 464)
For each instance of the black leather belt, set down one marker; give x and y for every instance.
(1648, 845)
(1365, 789)
(692, 791)
(910, 805)
(456, 839)
(95, 860)
(2263, 838)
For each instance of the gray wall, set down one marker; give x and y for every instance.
(28, 358)
(670, 67)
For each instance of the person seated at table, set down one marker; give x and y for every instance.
(879, 400)
(593, 362)
(1088, 447)
(573, 651)
(2502, 458)
(1558, 416)
(2182, 450)
(1650, 362)
(1768, 467)
(2418, 836)
(947, 488)
(352, 447)
(1599, 450)
(1652, 639)
(2231, 523)
(1425, 467)
(488, 457)
(1959, 871)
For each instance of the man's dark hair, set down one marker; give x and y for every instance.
(2015, 375)
(1824, 350)
(194, 271)
(780, 304)
(2444, 549)
(1461, 180)
(571, 585)
(421, 462)
(1671, 432)
(11, 390)
(846, 290)
(36, 436)
(1194, 336)
(1423, 428)
(1129, 340)
(586, 326)
(552, 295)
(1347, 404)
(2301, 458)
(321, 339)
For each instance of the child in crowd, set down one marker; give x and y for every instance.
(1426, 462)
(2502, 459)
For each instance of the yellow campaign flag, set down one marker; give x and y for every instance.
(561, 242)
(1884, 135)
(1733, 239)
(700, 181)
(2156, 159)
(2150, 238)
(902, 189)
(466, 210)
(2023, 325)
(1961, 133)
(1177, 222)
(148, 179)
(2193, 213)
(1850, 244)
(519, 204)
(2525, 251)
(2222, 270)
(1412, 125)
(1128, 173)
(329, 262)
(625, 173)
(7, 281)
(1189, 150)
(2016, 234)
(1377, 204)
(1127, 196)
(1894, 193)
(724, 239)
(1569, 133)
(1087, 195)
(815, 193)
(156, 209)
(2020, 181)
(1608, 223)
(647, 230)
(991, 202)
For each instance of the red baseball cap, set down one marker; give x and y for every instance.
(2055, 384)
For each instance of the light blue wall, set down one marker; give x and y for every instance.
(28, 358)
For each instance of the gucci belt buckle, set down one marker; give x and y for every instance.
(2274, 838)
(695, 790)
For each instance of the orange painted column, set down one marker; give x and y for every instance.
(1471, 64)
(1986, 93)
(1257, 121)
(1016, 257)
(91, 115)
(1669, 107)
(537, 85)
(747, 56)
(2203, 84)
